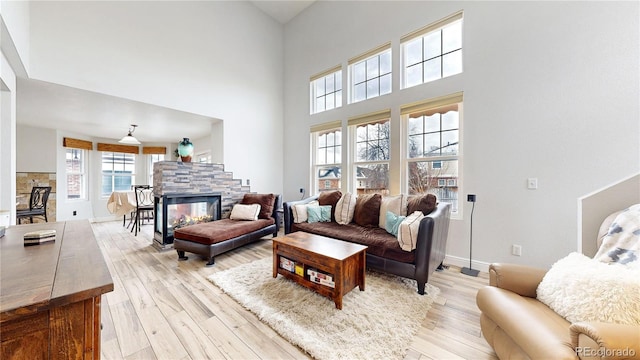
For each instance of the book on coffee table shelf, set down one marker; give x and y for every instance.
(39, 237)
(319, 277)
(299, 269)
(287, 264)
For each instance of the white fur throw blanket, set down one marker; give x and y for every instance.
(582, 289)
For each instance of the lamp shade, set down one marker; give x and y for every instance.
(130, 139)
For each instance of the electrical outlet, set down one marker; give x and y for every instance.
(301, 190)
(471, 198)
(75, 213)
(516, 250)
(532, 183)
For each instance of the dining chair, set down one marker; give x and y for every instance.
(132, 215)
(37, 204)
(144, 205)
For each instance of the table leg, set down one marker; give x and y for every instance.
(338, 301)
(275, 260)
(363, 267)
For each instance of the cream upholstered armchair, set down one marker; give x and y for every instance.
(519, 326)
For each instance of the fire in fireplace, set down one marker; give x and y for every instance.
(173, 211)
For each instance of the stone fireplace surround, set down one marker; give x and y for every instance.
(174, 177)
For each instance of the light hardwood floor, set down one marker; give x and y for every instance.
(164, 309)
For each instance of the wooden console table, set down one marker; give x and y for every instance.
(50, 293)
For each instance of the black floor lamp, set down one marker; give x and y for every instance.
(469, 270)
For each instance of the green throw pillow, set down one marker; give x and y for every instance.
(319, 213)
(393, 223)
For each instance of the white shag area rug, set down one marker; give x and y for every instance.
(378, 323)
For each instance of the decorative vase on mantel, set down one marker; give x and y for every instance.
(185, 150)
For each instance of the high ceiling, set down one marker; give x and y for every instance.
(48, 105)
(54, 106)
(283, 11)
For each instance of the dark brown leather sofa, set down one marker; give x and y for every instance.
(216, 237)
(383, 253)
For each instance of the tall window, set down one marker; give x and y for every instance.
(371, 153)
(433, 52)
(327, 142)
(153, 158)
(370, 74)
(118, 172)
(326, 90)
(76, 173)
(433, 148)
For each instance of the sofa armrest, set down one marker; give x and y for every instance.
(431, 243)
(605, 340)
(520, 279)
(288, 214)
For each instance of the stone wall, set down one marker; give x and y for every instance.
(174, 177)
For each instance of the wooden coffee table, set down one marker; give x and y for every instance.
(325, 265)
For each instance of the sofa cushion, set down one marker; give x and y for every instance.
(390, 203)
(579, 288)
(408, 231)
(330, 198)
(345, 208)
(300, 213)
(245, 212)
(424, 202)
(367, 211)
(319, 213)
(379, 241)
(393, 222)
(220, 230)
(266, 202)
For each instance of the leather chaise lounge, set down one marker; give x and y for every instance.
(219, 236)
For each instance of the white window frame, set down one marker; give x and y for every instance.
(331, 95)
(447, 24)
(367, 60)
(82, 173)
(437, 105)
(317, 164)
(152, 158)
(379, 117)
(113, 172)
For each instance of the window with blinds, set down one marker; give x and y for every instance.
(75, 167)
(372, 140)
(326, 140)
(433, 147)
(118, 172)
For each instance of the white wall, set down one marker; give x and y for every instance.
(13, 34)
(36, 149)
(7, 138)
(14, 16)
(550, 91)
(218, 59)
